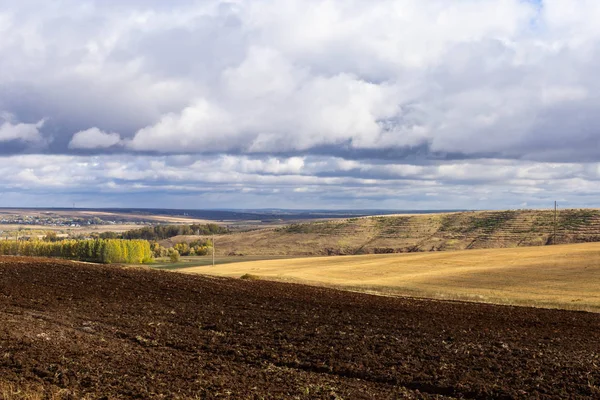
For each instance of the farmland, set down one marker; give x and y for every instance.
(163, 263)
(36, 223)
(562, 276)
(72, 330)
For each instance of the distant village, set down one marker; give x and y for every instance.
(52, 221)
(62, 221)
(31, 226)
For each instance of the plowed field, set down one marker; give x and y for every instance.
(79, 330)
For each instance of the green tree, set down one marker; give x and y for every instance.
(51, 236)
(174, 256)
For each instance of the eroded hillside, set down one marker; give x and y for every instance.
(411, 233)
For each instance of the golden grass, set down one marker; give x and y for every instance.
(30, 391)
(565, 276)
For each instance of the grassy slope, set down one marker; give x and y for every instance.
(396, 234)
(564, 276)
(202, 261)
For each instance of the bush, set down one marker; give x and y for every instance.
(51, 236)
(174, 256)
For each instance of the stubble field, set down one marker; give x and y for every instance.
(562, 276)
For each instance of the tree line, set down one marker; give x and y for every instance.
(161, 232)
(94, 250)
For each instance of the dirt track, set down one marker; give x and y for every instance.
(132, 333)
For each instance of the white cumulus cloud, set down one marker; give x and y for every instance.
(94, 138)
(29, 133)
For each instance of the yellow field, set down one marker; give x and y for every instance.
(565, 276)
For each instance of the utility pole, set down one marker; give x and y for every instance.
(555, 221)
(213, 246)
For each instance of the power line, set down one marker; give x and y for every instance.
(555, 221)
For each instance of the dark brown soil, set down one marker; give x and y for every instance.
(134, 333)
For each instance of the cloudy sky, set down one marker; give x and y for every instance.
(395, 104)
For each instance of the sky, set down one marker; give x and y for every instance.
(331, 104)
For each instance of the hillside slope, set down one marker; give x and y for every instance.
(414, 233)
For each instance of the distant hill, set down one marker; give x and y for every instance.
(224, 215)
(414, 233)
